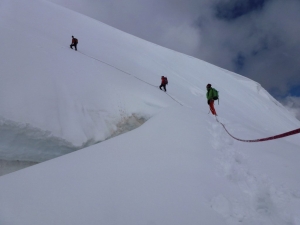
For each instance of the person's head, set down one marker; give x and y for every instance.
(72, 36)
(162, 76)
(208, 86)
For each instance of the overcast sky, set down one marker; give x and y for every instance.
(259, 39)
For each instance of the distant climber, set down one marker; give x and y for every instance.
(211, 95)
(74, 43)
(164, 82)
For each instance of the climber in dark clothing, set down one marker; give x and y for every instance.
(164, 82)
(74, 43)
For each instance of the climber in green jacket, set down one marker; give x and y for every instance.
(211, 95)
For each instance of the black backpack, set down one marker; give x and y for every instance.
(166, 80)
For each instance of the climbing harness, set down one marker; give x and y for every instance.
(296, 131)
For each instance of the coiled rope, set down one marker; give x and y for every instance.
(296, 131)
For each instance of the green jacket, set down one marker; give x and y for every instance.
(211, 93)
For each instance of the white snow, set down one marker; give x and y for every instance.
(176, 165)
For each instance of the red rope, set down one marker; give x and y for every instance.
(262, 139)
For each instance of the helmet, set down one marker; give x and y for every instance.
(208, 86)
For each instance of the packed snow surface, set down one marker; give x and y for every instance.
(153, 157)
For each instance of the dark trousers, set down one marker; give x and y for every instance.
(164, 86)
(75, 45)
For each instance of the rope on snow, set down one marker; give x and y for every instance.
(104, 63)
(156, 86)
(293, 132)
(126, 73)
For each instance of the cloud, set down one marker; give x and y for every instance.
(293, 105)
(261, 42)
(231, 10)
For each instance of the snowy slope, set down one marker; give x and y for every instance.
(178, 167)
